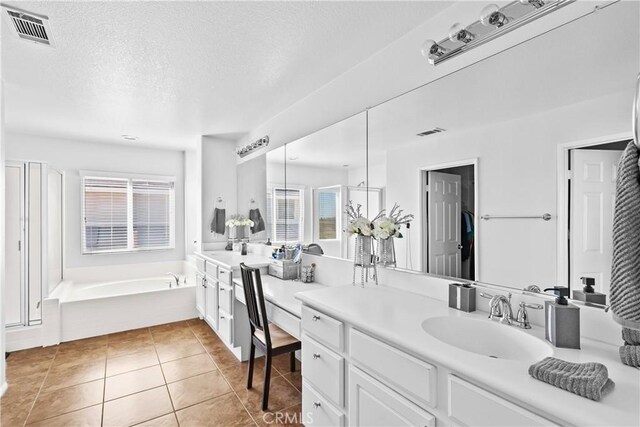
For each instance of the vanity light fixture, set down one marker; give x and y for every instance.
(247, 149)
(494, 21)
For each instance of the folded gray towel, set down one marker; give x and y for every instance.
(590, 380)
(625, 268)
(218, 223)
(630, 355)
(631, 336)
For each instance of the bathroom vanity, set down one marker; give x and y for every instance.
(215, 296)
(365, 362)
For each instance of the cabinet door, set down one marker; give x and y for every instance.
(373, 404)
(200, 295)
(211, 305)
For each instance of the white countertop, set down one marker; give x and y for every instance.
(232, 259)
(281, 292)
(396, 316)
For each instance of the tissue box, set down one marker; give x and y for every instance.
(462, 297)
(283, 269)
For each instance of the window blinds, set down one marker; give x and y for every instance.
(123, 214)
(152, 212)
(288, 211)
(105, 214)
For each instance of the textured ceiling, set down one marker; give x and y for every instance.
(169, 71)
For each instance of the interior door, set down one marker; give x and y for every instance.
(14, 300)
(593, 190)
(443, 217)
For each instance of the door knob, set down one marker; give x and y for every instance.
(459, 246)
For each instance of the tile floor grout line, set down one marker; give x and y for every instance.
(40, 388)
(166, 386)
(104, 384)
(228, 383)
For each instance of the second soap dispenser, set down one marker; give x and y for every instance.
(588, 293)
(562, 323)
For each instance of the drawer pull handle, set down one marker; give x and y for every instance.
(315, 318)
(221, 317)
(316, 356)
(317, 405)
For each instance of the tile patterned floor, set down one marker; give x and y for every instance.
(167, 375)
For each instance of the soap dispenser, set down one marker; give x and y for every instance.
(562, 322)
(588, 294)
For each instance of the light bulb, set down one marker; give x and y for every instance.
(457, 33)
(491, 15)
(431, 49)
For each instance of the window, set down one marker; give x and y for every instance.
(327, 214)
(285, 214)
(127, 214)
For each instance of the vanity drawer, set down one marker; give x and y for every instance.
(323, 327)
(316, 410)
(283, 319)
(211, 269)
(472, 406)
(409, 376)
(224, 275)
(224, 326)
(225, 297)
(372, 403)
(324, 369)
(200, 265)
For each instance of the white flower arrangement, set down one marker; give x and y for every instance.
(386, 226)
(358, 224)
(238, 221)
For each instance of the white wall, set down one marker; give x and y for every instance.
(219, 179)
(73, 156)
(252, 186)
(193, 200)
(3, 383)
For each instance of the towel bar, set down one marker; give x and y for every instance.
(545, 217)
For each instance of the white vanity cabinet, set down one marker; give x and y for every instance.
(216, 302)
(351, 377)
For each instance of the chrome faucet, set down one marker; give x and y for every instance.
(176, 278)
(500, 308)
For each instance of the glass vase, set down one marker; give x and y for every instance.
(386, 252)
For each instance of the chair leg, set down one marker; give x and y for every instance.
(292, 361)
(267, 381)
(252, 353)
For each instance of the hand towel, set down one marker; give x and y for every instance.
(258, 222)
(218, 223)
(625, 269)
(590, 380)
(630, 355)
(630, 336)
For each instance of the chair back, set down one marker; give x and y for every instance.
(254, 297)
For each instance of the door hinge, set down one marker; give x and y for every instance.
(20, 245)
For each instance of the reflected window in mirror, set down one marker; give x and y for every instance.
(285, 214)
(327, 213)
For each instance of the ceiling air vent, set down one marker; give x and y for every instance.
(30, 26)
(431, 131)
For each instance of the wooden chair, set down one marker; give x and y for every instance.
(268, 338)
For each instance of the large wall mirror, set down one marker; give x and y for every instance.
(523, 133)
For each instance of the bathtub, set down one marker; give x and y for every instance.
(92, 309)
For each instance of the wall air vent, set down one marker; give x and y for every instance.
(29, 26)
(431, 131)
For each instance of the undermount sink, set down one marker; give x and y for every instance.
(487, 338)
